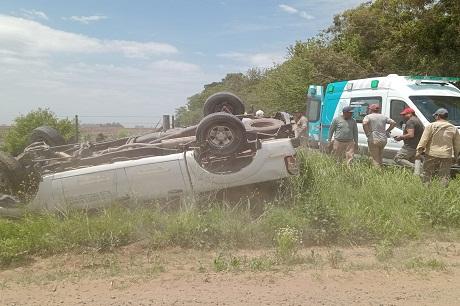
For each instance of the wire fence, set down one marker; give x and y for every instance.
(127, 121)
(110, 126)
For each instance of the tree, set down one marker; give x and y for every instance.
(380, 37)
(311, 62)
(243, 85)
(401, 36)
(18, 136)
(101, 137)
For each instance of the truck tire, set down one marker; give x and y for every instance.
(264, 125)
(48, 135)
(11, 173)
(223, 102)
(222, 134)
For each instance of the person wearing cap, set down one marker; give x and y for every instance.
(345, 132)
(374, 125)
(440, 143)
(260, 114)
(412, 132)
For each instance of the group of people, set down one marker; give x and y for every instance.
(438, 144)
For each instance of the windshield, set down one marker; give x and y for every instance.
(429, 104)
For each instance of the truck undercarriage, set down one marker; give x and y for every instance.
(225, 141)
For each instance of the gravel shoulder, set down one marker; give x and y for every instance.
(418, 274)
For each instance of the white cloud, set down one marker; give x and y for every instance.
(266, 59)
(46, 67)
(174, 66)
(136, 49)
(30, 38)
(100, 89)
(288, 9)
(305, 15)
(86, 19)
(237, 28)
(260, 60)
(294, 11)
(34, 14)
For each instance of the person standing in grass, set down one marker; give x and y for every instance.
(440, 143)
(374, 126)
(345, 132)
(301, 128)
(412, 133)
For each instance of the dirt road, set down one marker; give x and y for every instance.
(425, 276)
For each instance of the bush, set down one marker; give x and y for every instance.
(287, 242)
(18, 136)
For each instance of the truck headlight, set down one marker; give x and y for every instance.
(292, 166)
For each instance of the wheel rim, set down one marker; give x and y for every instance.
(221, 136)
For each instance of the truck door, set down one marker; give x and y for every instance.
(162, 177)
(90, 190)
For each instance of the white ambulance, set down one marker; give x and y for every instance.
(424, 94)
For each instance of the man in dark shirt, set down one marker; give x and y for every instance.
(412, 133)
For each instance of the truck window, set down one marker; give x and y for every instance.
(361, 104)
(396, 107)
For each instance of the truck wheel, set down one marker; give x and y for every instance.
(264, 125)
(223, 102)
(11, 173)
(48, 135)
(222, 134)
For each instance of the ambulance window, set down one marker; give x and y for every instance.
(360, 106)
(396, 107)
(313, 109)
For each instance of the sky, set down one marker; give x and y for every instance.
(132, 61)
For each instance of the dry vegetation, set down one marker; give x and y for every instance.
(333, 236)
(328, 204)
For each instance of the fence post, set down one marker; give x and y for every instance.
(166, 123)
(77, 131)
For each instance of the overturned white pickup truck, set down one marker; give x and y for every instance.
(219, 153)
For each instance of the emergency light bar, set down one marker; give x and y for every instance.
(433, 78)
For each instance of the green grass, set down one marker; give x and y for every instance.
(417, 263)
(362, 204)
(228, 262)
(328, 204)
